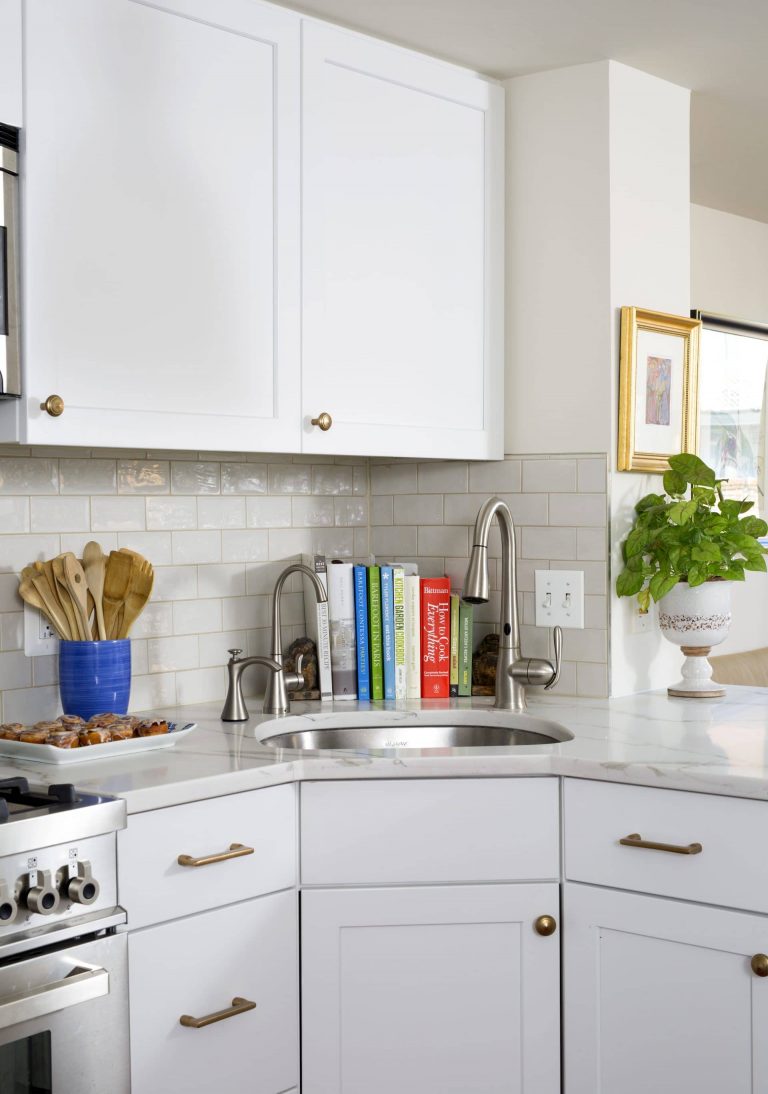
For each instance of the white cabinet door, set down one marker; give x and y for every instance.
(430, 990)
(402, 245)
(10, 62)
(198, 966)
(659, 996)
(161, 223)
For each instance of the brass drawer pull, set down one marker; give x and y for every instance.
(635, 840)
(239, 1006)
(759, 964)
(236, 850)
(545, 925)
(324, 420)
(53, 405)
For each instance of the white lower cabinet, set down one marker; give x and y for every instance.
(430, 990)
(200, 965)
(659, 996)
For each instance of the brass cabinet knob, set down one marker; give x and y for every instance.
(546, 925)
(53, 405)
(759, 964)
(324, 420)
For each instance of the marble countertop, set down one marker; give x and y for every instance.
(713, 747)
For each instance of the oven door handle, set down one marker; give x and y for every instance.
(83, 983)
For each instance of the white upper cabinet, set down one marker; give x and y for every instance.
(174, 187)
(402, 244)
(10, 62)
(161, 217)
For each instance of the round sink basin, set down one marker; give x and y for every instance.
(518, 729)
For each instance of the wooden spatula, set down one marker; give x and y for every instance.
(117, 581)
(36, 592)
(57, 568)
(142, 580)
(94, 565)
(78, 590)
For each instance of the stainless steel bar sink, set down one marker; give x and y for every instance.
(516, 729)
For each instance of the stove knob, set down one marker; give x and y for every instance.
(83, 889)
(42, 898)
(8, 905)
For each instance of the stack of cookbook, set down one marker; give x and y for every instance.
(387, 633)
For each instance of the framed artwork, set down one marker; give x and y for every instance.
(658, 389)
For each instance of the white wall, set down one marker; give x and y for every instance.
(729, 275)
(558, 324)
(650, 268)
(598, 214)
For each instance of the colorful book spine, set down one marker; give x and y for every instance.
(316, 621)
(388, 631)
(374, 632)
(412, 637)
(453, 679)
(341, 608)
(466, 614)
(398, 600)
(361, 634)
(435, 637)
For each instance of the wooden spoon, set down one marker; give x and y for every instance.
(36, 593)
(117, 580)
(57, 568)
(142, 580)
(94, 565)
(78, 590)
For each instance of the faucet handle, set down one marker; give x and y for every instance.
(558, 639)
(234, 654)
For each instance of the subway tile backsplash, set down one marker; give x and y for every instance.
(219, 527)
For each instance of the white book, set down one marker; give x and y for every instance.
(398, 588)
(316, 622)
(412, 637)
(341, 608)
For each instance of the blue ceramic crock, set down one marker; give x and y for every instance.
(95, 677)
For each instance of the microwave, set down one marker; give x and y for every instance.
(10, 313)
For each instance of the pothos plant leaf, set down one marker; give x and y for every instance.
(690, 533)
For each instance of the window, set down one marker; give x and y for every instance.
(732, 405)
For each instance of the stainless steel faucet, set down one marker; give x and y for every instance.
(513, 671)
(280, 682)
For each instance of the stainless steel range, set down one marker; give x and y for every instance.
(63, 963)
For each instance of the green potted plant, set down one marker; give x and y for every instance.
(684, 550)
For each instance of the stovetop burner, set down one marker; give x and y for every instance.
(16, 798)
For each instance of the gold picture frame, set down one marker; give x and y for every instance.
(658, 389)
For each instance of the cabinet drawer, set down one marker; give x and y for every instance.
(422, 831)
(153, 886)
(728, 870)
(197, 967)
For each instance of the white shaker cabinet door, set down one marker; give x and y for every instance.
(199, 966)
(430, 990)
(402, 251)
(161, 223)
(659, 995)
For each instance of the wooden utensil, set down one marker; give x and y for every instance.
(117, 581)
(78, 590)
(94, 565)
(142, 580)
(36, 592)
(57, 568)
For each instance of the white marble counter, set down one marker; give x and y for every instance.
(713, 747)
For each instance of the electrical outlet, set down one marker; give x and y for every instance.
(559, 598)
(39, 636)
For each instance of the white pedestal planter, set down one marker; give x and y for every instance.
(696, 619)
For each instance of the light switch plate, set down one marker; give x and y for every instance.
(559, 598)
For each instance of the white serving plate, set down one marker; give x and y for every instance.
(48, 754)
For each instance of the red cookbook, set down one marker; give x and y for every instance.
(435, 637)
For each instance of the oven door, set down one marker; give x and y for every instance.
(64, 1021)
(10, 339)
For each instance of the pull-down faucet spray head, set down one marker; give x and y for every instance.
(476, 583)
